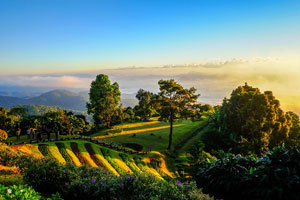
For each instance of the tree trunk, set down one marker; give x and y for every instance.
(171, 133)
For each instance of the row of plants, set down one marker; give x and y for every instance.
(62, 149)
(92, 153)
(74, 147)
(273, 176)
(107, 156)
(130, 163)
(44, 149)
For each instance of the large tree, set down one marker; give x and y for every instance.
(144, 108)
(253, 121)
(104, 100)
(174, 102)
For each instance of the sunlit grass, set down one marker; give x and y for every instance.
(153, 137)
(86, 155)
(72, 155)
(56, 154)
(136, 131)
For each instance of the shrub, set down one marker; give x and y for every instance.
(3, 135)
(48, 176)
(22, 192)
(274, 176)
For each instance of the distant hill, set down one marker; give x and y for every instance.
(41, 110)
(61, 98)
(64, 99)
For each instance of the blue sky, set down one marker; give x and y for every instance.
(47, 36)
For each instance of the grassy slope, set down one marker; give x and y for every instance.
(158, 142)
(114, 155)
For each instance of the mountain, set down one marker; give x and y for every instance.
(61, 98)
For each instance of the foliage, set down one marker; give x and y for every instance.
(48, 176)
(251, 121)
(18, 193)
(3, 135)
(274, 176)
(145, 106)
(104, 99)
(23, 192)
(174, 102)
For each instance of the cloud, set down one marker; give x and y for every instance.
(214, 81)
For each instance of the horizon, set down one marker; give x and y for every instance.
(212, 45)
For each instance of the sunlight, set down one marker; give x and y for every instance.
(136, 131)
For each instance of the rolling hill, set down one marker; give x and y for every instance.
(64, 99)
(61, 98)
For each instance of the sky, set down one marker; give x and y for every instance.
(214, 45)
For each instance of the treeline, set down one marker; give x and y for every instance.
(17, 121)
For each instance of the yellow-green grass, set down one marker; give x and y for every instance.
(106, 164)
(117, 166)
(152, 135)
(116, 158)
(72, 155)
(86, 155)
(56, 154)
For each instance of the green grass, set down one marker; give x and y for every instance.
(153, 135)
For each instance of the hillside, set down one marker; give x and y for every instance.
(61, 98)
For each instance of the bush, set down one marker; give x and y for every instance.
(48, 176)
(22, 192)
(3, 135)
(274, 176)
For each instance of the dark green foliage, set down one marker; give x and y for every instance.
(274, 176)
(48, 176)
(62, 149)
(104, 100)
(250, 122)
(145, 107)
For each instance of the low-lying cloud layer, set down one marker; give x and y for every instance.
(214, 81)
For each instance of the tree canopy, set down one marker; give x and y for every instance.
(253, 121)
(174, 102)
(104, 100)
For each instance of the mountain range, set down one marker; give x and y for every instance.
(62, 98)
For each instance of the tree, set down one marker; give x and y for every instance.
(253, 121)
(294, 134)
(174, 102)
(18, 111)
(144, 108)
(104, 100)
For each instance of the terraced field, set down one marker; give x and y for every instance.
(82, 152)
